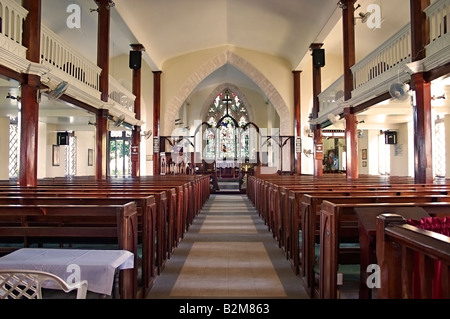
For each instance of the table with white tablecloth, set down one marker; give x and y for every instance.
(98, 267)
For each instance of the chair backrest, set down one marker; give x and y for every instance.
(27, 284)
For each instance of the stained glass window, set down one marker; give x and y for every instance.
(226, 115)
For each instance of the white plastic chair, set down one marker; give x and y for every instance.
(27, 284)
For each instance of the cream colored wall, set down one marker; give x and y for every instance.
(4, 148)
(363, 144)
(85, 141)
(399, 152)
(178, 70)
(47, 136)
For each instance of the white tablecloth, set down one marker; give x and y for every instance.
(96, 266)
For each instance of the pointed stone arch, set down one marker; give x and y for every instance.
(242, 65)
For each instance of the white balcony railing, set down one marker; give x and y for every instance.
(390, 54)
(57, 53)
(12, 16)
(439, 17)
(332, 95)
(120, 95)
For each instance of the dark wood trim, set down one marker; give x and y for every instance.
(351, 140)
(420, 35)
(156, 116)
(437, 72)
(297, 118)
(29, 130)
(11, 74)
(101, 140)
(317, 82)
(136, 135)
(318, 151)
(365, 105)
(103, 36)
(423, 160)
(78, 103)
(348, 30)
(32, 30)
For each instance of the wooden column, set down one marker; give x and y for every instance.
(297, 121)
(317, 89)
(351, 140)
(318, 151)
(29, 124)
(351, 133)
(136, 137)
(348, 30)
(104, 21)
(101, 130)
(156, 118)
(104, 7)
(423, 160)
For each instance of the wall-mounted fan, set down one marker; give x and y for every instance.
(399, 91)
(335, 120)
(56, 93)
(147, 134)
(339, 95)
(118, 121)
(307, 131)
(363, 16)
(307, 153)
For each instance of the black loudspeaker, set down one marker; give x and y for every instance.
(135, 60)
(318, 57)
(62, 138)
(390, 137)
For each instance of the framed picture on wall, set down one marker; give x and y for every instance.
(90, 157)
(55, 155)
(364, 153)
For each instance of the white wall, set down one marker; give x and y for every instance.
(85, 141)
(4, 148)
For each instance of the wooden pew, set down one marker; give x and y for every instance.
(38, 224)
(310, 219)
(418, 251)
(339, 220)
(146, 211)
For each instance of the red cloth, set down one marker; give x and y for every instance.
(439, 225)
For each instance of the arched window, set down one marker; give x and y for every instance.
(226, 140)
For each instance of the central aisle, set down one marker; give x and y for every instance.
(228, 253)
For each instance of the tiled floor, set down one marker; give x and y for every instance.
(228, 253)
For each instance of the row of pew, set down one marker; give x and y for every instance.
(145, 215)
(326, 227)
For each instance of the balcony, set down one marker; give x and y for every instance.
(60, 62)
(390, 63)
